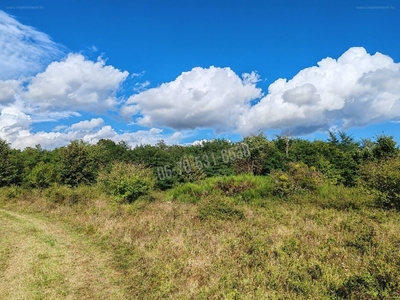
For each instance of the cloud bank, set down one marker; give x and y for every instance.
(76, 83)
(357, 89)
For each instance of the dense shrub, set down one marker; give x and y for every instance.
(232, 187)
(12, 192)
(331, 173)
(62, 194)
(245, 187)
(127, 181)
(298, 178)
(383, 177)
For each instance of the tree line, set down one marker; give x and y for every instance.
(339, 159)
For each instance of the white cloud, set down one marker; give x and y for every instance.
(76, 83)
(14, 124)
(24, 50)
(87, 125)
(199, 142)
(139, 75)
(250, 78)
(63, 89)
(201, 98)
(8, 90)
(141, 86)
(357, 89)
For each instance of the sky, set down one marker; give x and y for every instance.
(191, 70)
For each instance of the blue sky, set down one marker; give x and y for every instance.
(182, 71)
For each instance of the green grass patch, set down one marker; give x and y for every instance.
(244, 188)
(220, 209)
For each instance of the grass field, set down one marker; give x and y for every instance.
(191, 244)
(41, 260)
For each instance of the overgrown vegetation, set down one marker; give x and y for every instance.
(127, 181)
(274, 219)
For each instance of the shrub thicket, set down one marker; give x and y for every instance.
(127, 181)
(298, 178)
(383, 177)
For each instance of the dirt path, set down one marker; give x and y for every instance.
(43, 260)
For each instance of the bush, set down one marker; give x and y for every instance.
(11, 192)
(299, 178)
(62, 194)
(331, 174)
(231, 186)
(244, 187)
(127, 181)
(383, 177)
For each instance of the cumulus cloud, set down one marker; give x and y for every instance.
(87, 125)
(357, 89)
(24, 50)
(15, 125)
(8, 90)
(76, 83)
(201, 98)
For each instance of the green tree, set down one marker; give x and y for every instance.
(77, 166)
(105, 152)
(43, 175)
(385, 147)
(344, 142)
(188, 169)
(212, 151)
(7, 167)
(256, 149)
(29, 158)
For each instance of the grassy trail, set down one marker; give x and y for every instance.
(40, 259)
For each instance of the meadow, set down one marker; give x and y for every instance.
(230, 237)
(257, 219)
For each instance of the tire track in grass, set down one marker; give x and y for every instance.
(42, 260)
